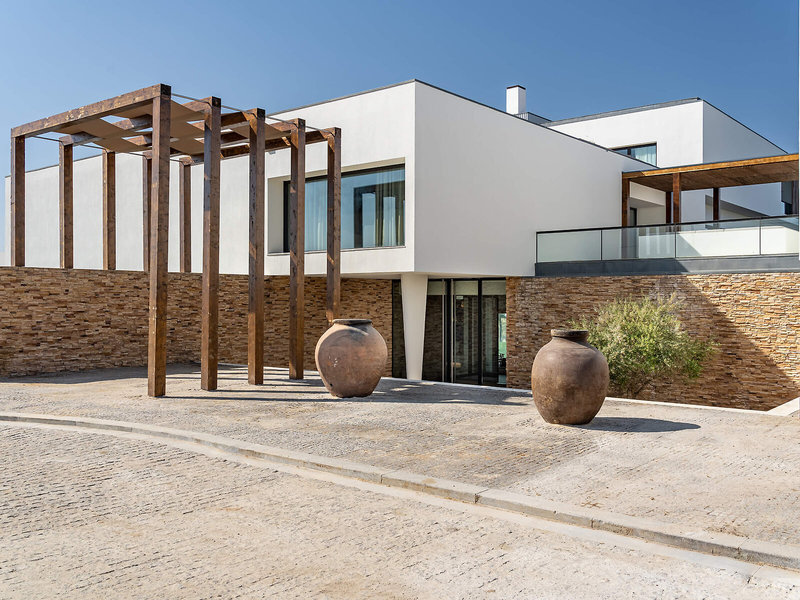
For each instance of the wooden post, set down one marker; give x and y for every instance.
(667, 207)
(676, 197)
(209, 342)
(334, 286)
(255, 312)
(715, 205)
(147, 184)
(17, 241)
(159, 230)
(185, 218)
(626, 192)
(109, 211)
(297, 221)
(65, 218)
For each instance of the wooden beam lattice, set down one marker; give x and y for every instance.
(150, 123)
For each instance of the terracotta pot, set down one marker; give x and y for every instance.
(569, 378)
(351, 357)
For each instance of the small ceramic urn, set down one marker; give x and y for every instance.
(569, 378)
(351, 357)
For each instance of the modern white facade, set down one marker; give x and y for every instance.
(445, 187)
(684, 132)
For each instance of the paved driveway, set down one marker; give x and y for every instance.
(718, 470)
(85, 515)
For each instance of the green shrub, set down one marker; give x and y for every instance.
(643, 341)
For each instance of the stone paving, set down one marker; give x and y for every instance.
(718, 470)
(88, 516)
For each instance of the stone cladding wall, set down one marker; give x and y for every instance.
(755, 319)
(72, 320)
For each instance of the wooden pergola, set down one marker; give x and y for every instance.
(151, 123)
(674, 180)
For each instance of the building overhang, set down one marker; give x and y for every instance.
(752, 171)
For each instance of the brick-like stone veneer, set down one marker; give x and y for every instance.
(755, 319)
(73, 320)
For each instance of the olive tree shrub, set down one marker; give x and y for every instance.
(643, 341)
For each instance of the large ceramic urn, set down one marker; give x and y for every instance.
(569, 378)
(351, 357)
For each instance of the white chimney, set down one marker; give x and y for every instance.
(515, 100)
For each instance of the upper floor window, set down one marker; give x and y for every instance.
(373, 210)
(645, 152)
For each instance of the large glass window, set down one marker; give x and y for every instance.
(645, 152)
(373, 210)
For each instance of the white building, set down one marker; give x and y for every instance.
(440, 192)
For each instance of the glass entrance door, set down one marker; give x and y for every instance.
(467, 339)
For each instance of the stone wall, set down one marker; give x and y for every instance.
(755, 319)
(71, 320)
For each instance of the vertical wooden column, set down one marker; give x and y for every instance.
(109, 211)
(159, 230)
(676, 197)
(334, 243)
(17, 241)
(715, 205)
(626, 193)
(65, 218)
(147, 185)
(255, 311)
(668, 207)
(297, 227)
(185, 218)
(209, 342)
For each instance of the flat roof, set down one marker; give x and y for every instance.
(624, 111)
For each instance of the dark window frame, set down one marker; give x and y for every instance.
(325, 178)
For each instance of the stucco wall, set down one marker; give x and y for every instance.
(751, 316)
(486, 182)
(72, 320)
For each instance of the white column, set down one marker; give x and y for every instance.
(414, 290)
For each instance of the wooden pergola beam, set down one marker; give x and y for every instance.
(185, 217)
(255, 311)
(297, 190)
(17, 241)
(109, 211)
(65, 206)
(147, 188)
(751, 171)
(96, 110)
(334, 245)
(209, 341)
(125, 126)
(159, 230)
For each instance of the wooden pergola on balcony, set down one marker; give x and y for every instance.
(149, 122)
(674, 180)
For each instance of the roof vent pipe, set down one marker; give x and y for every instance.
(515, 100)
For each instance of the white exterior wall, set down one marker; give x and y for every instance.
(726, 139)
(377, 130)
(486, 182)
(690, 133)
(41, 215)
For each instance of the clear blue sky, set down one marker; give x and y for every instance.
(574, 57)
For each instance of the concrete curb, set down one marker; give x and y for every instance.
(719, 544)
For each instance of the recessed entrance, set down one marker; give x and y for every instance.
(465, 331)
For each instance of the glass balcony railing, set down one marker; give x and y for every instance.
(706, 239)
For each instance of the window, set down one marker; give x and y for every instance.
(646, 152)
(373, 210)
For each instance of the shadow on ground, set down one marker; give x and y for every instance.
(636, 425)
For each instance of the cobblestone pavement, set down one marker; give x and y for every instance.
(727, 471)
(93, 516)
